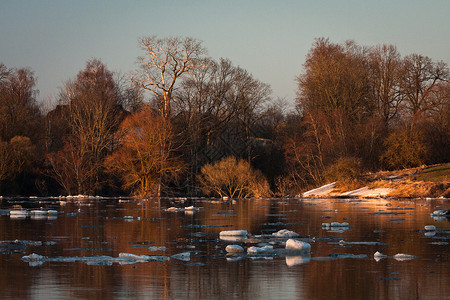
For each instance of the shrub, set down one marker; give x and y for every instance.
(345, 170)
(405, 149)
(233, 178)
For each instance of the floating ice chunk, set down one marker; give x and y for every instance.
(173, 209)
(403, 257)
(234, 249)
(440, 213)
(33, 257)
(337, 224)
(342, 243)
(292, 244)
(259, 250)
(284, 233)
(184, 256)
(191, 208)
(18, 213)
(430, 227)
(297, 260)
(347, 255)
(379, 256)
(52, 212)
(325, 225)
(155, 248)
(233, 233)
(134, 256)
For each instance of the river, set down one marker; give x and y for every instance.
(87, 249)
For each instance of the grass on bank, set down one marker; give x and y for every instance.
(421, 182)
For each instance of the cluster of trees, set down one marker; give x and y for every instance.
(187, 124)
(371, 107)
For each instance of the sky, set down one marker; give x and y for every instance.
(268, 38)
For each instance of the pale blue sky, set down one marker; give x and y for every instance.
(270, 39)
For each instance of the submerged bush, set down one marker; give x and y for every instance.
(233, 178)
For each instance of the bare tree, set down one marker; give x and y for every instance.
(93, 110)
(164, 62)
(420, 77)
(385, 74)
(19, 112)
(216, 113)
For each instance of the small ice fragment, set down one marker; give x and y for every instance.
(430, 227)
(155, 248)
(379, 256)
(234, 249)
(403, 257)
(20, 212)
(38, 212)
(172, 209)
(233, 233)
(259, 250)
(191, 208)
(184, 256)
(337, 224)
(292, 244)
(284, 233)
(326, 225)
(52, 212)
(33, 257)
(134, 257)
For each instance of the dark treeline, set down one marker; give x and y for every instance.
(181, 113)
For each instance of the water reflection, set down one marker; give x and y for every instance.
(341, 264)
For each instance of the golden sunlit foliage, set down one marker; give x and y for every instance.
(145, 154)
(233, 178)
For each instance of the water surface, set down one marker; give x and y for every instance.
(82, 243)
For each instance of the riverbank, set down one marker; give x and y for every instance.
(422, 182)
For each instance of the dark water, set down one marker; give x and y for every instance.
(81, 245)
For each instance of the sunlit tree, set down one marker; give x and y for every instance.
(145, 157)
(163, 64)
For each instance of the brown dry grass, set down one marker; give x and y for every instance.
(420, 189)
(421, 182)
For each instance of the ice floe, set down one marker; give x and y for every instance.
(260, 250)
(403, 257)
(284, 233)
(123, 259)
(440, 213)
(234, 249)
(320, 191)
(233, 233)
(156, 248)
(292, 244)
(430, 228)
(185, 209)
(379, 256)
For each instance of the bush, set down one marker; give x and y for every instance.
(233, 178)
(405, 149)
(345, 170)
